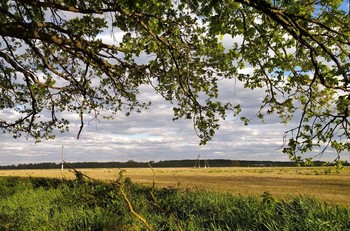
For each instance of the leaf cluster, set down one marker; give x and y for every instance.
(54, 60)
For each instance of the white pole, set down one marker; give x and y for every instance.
(62, 159)
(199, 161)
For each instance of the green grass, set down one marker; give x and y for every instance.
(52, 204)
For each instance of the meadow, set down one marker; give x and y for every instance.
(37, 203)
(61, 203)
(322, 183)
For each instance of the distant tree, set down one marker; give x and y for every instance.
(53, 60)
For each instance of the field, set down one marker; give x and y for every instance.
(183, 199)
(317, 182)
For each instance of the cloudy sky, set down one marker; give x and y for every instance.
(153, 135)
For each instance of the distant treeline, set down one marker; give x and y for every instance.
(162, 164)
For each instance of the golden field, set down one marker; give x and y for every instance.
(280, 182)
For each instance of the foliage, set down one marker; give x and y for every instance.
(73, 205)
(53, 60)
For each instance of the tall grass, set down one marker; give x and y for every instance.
(205, 210)
(43, 204)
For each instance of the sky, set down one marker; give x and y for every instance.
(152, 135)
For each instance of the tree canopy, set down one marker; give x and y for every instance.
(53, 60)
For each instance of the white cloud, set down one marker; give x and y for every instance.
(152, 135)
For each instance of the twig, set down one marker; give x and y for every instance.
(121, 189)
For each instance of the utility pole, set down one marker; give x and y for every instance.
(62, 158)
(206, 164)
(198, 161)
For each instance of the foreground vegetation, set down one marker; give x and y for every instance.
(62, 204)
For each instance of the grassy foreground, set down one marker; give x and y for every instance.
(61, 204)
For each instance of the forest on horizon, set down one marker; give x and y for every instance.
(165, 164)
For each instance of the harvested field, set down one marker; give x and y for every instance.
(280, 182)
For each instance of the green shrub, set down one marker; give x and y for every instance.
(11, 185)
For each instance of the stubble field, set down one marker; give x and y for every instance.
(283, 182)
